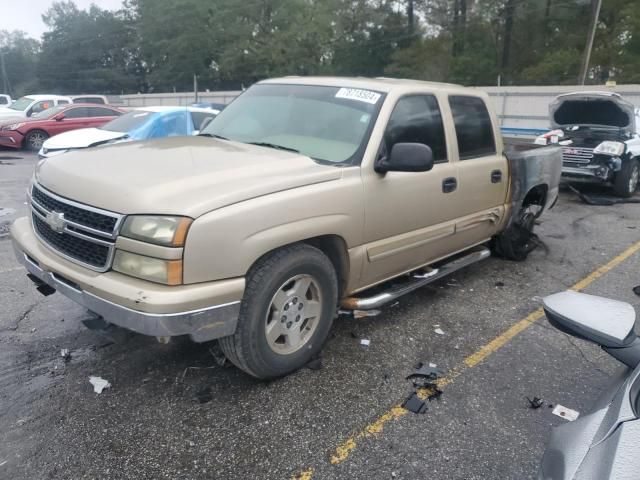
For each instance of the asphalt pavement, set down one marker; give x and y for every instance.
(172, 412)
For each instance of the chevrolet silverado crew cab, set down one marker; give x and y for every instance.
(298, 199)
(600, 135)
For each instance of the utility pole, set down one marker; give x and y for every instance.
(410, 17)
(195, 87)
(5, 80)
(593, 24)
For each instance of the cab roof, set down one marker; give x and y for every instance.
(380, 84)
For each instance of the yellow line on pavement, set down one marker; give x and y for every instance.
(375, 428)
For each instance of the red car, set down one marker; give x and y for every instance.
(31, 132)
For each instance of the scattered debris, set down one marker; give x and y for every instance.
(395, 304)
(636, 290)
(439, 331)
(99, 384)
(565, 413)
(315, 363)
(6, 211)
(535, 403)
(3, 463)
(365, 313)
(33, 330)
(365, 342)
(66, 354)
(204, 395)
(499, 284)
(601, 200)
(218, 356)
(414, 404)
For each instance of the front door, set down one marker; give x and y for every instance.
(409, 216)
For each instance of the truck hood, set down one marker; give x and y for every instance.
(9, 112)
(177, 176)
(81, 138)
(604, 109)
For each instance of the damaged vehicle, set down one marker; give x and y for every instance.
(602, 444)
(599, 132)
(302, 196)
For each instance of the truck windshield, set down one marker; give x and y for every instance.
(328, 124)
(21, 104)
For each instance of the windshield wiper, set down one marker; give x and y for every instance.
(212, 135)
(274, 145)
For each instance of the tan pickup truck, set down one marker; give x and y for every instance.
(301, 196)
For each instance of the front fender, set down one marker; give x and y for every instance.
(225, 243)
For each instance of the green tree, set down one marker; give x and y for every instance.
(20, 55)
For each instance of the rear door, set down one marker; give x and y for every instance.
(482, 169)
(98, 116)
(409, 216)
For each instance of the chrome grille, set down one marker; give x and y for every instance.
(577, 155)
(80, 233)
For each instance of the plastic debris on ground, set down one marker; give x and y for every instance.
(365, 342)
(99, 384)
(424, 381)
(414, 404)
(565, 413)
(2, 463)
(66, 354)
(601, 200)
(535, 402)
(438, 330)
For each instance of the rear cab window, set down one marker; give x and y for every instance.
(474, 129)
(416, 118)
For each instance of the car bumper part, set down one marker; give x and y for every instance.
(13, 139)
(202, 311)
(591, 173)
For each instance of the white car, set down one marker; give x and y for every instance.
(139, 124)
(5, 100)
(27, 106)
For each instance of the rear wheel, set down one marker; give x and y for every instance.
(625, 182)
(286, 312)
(517, 241)
(34, 139)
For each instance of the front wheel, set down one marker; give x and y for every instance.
(34, 139)
(286, 312)
(626, 181)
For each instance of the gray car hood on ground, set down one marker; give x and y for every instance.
(592, 108)
(177, 176)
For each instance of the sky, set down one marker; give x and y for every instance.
(26, 15)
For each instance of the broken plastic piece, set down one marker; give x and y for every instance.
(66, 354)
(439, 331)
(99, 384)
(565, 413)
(535, 403)
(414, 404)
(429, 372)
(365, 342)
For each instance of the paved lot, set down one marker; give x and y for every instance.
(334, 423)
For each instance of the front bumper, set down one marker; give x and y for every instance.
(11, 138)
(202, 311)
(587, 174)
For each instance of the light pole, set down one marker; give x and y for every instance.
(595, 11)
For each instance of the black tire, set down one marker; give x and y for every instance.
(248, 347)
(34, 139)
(625, 182)
(518, 240)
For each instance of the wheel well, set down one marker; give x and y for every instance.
(334, 247)
(536, 196)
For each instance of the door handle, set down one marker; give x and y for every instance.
(496, 176)
(449, 184)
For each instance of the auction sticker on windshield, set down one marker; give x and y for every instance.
(366, 96)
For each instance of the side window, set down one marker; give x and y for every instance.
(63, 102)
(417, 119)
(41, 106)
(473, 127)
(102, 112)
(80, 112)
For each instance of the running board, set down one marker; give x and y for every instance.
(418, 280)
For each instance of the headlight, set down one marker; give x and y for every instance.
(610, 148)
(156, 270)
(14, 126)
(167, 231)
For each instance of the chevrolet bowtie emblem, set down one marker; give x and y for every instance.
(56, 221)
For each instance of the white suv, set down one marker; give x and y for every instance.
(27, 106)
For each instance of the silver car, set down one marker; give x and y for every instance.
(605, 444)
